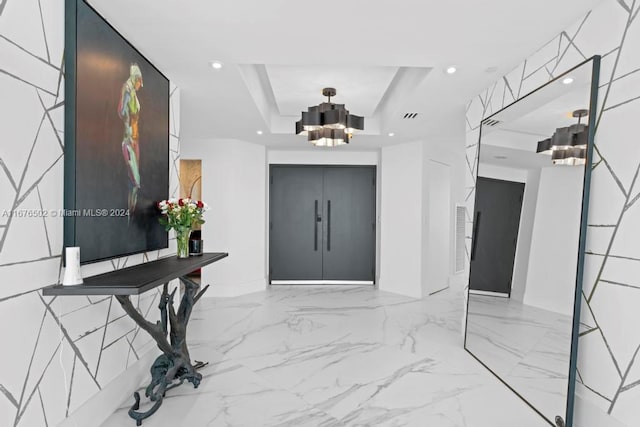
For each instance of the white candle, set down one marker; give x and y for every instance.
(72, 274)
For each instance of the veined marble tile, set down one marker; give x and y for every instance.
(527, 347)
(335, 356)
(230, 394)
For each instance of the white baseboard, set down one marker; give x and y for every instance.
(99, 407)
(489, 294)
(439, 290)
(322, 282)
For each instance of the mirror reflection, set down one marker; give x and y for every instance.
(524, 253)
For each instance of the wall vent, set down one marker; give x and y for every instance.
(410, 115)
(460, 239)
(490, 122)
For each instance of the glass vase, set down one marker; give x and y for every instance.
(182, 240)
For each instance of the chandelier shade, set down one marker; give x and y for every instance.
(328, 124)
(567, 145)
(561, 138)
(544, 146)
(569, 156)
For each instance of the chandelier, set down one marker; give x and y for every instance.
(568, 145)
(328, 124)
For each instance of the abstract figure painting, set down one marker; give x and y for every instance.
(129, 111)
(117, 152)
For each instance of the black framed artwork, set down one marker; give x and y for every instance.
(116, 141)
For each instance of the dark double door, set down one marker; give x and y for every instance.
(322, 222)
(495, 235)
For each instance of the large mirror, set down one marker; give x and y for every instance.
(528, 240)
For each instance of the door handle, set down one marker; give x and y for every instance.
(328, 225)
(316, 219)
(474, 236)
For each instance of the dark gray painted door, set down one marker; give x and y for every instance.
(495, 237)
(295, 237)
(349, 225)
(340, 243)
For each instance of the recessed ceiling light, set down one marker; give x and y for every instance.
(216, 65)
(567, 80)
(391, 133)
(451, 70)
(259, 132)
(500, 157)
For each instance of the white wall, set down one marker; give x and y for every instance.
(234, 186)
(449, 150)
(58, 353)
(437, 234)
(412, 223)
(323, 156)
(551, 275)
(401, 219)
(503, 173)
(525, 234)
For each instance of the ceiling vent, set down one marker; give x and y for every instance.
(490, 122)
(410, 115)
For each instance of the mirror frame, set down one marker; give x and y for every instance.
(575, 331)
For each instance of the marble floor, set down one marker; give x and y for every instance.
(526, 346)
(335, 356)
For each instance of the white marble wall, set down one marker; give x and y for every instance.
(610, 337)
(56, 352)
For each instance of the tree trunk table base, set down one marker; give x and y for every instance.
(173, 367)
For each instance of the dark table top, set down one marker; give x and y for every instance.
(138, 278)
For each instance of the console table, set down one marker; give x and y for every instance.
(173, 367)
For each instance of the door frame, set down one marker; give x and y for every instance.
(376, 234)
